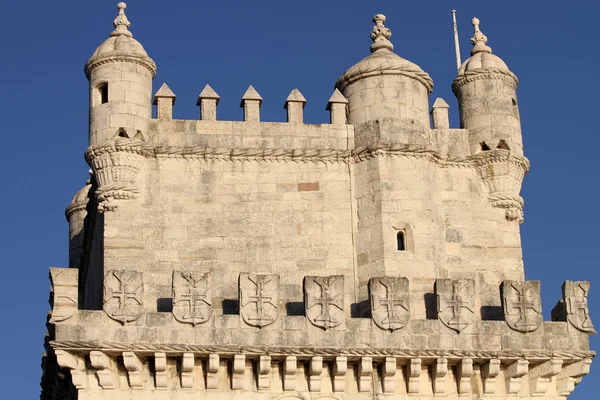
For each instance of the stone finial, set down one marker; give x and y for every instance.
(295, 105)
(380, 35)
(164, 100)
(337, 108)
(439, 112)
(251, 102)
(479, 40)
(121, 23)
(208, 100)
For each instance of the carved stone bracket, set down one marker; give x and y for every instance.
(259, 296)
(388, 375)
(324, 300)
(105, 369)
(134, 366)
(464, 371)
(455, 304)
(123, 294)
(264, 373)
(212, 368)
(489, 373)
(160, 370)
(64, 293)
(514, 374)
(116, 165)
(365, 373)
(192, 297)
(314, 373)
(237, 372)
(522, 305)
(414, 376)
(187, 370)
(571, 375)
(439, 374)
(390, 302)
(289, 373)
(340, 368)
(541, 376)
(76, 366)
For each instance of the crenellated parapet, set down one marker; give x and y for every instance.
(196, 346)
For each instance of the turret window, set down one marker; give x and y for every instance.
(101, 95)
(401, 239)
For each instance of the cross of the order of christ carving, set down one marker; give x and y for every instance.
(390, 302)
(123, 294)
(194, 295)
(329, 298)
(260, 298)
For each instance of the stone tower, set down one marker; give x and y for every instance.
(374, 257)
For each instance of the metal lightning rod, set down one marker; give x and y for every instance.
(456, 42)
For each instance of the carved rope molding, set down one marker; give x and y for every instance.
(303, 155)
(178, 349)
(485, 73)
(143, 61)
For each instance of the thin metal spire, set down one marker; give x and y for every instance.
(456, 42)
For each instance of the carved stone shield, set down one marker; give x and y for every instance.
(575, 296)
(259, 296)
(324, 300)
(522, 305)
(123, 294)
(64, 293)
(455, 302)
(390, 302)
(192, 297)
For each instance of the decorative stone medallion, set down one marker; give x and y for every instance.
(123, 294)
(324, 300)
(455, 302)
(259, 295)
(390, 302)
(192, 297)
(575, 296)
(522, 305)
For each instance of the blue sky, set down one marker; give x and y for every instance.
(277, 46)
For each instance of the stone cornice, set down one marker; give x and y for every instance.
(484, 73)
(178, 349)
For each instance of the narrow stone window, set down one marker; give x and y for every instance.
(103, 91)
(502, 145)
(515, 108)
(400, 238)
(484, 146)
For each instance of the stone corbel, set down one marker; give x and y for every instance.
(187, 370)
(514, 374)
(105, 369)
(365, 372)
(160, 370)
(64, 293)
(541, 375)
(212, 367)
(464, 371)
(489, 373)
(264, 373)
(571, 375)
(340, 368)
(414, 376)
(439, 374)
(237, 372)
(289, 373)
(388, 375)
(76, 366)
(134, 367)
(314, 377)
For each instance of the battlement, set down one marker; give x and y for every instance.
(267, 347)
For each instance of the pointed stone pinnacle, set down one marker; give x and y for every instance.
(121, 23)
(295, 97)
(164, 92)
(336, 98)
(251, 94)
(208, 93)
(440, 103)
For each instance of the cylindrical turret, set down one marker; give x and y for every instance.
(486, 92)
(76, 213)
(386, 86)
(120, 74)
